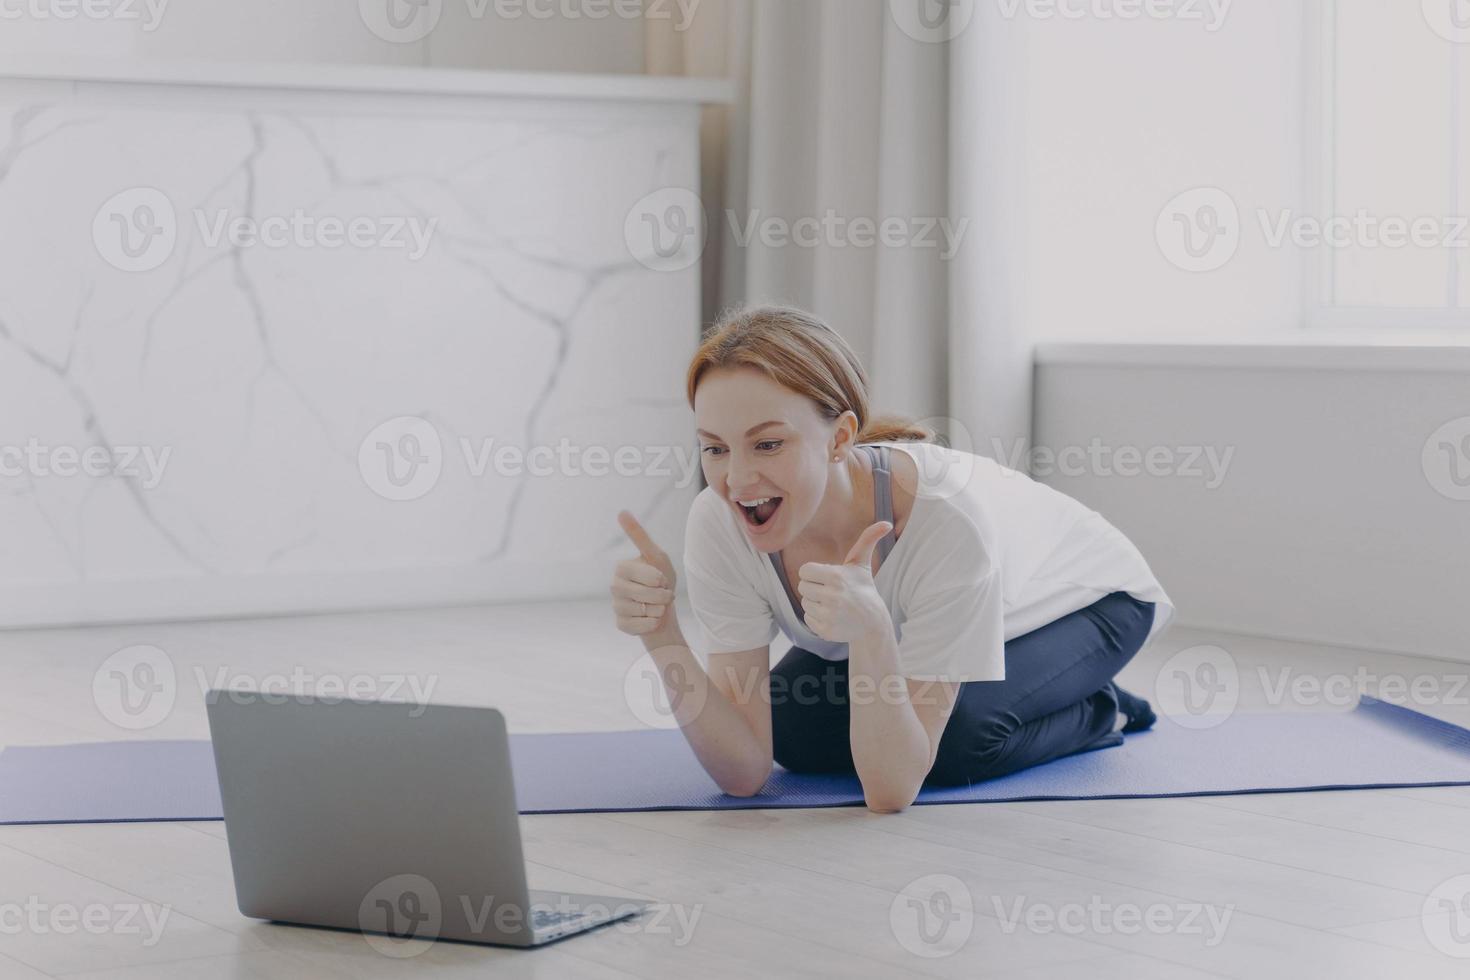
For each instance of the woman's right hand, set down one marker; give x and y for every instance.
(643, 587)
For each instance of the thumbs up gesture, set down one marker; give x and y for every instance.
(643, 587)
(840, 602)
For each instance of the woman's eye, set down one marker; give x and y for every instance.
(772, 443)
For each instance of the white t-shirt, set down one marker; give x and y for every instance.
(988, 554)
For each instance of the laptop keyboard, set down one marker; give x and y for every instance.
(541, 918)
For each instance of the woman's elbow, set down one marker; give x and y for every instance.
(879, 804)
(748, 787)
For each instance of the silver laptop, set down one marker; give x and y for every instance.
(395, 820)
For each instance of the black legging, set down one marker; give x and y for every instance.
(1057, 699)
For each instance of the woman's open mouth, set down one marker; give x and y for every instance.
(760, 514)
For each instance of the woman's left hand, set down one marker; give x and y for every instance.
(840, 603)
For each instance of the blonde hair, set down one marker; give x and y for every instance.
(802, 353)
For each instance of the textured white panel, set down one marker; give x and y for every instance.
(519, 314)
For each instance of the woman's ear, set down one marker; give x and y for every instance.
(844, 437)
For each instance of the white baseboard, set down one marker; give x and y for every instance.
(242, 596)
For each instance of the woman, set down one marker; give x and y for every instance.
(952, 619)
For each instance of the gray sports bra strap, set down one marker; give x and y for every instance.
(883, 498)
(882, 510)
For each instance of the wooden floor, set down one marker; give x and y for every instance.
(1332, 884)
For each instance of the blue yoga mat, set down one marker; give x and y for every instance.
(1375, 745)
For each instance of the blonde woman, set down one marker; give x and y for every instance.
(952, 620)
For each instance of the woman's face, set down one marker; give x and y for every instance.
(758, 439)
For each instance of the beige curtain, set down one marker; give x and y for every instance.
(842, 113)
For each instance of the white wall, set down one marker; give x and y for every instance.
(1122, 115)
(1334, 517)
(336, 31)
(328, 416)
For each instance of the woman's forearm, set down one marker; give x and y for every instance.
(720, 736)
(890, 748)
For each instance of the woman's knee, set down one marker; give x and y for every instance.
(809, 717)
(970, 751)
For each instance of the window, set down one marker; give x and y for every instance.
(1391, 102)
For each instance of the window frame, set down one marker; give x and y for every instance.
(1319, 34)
